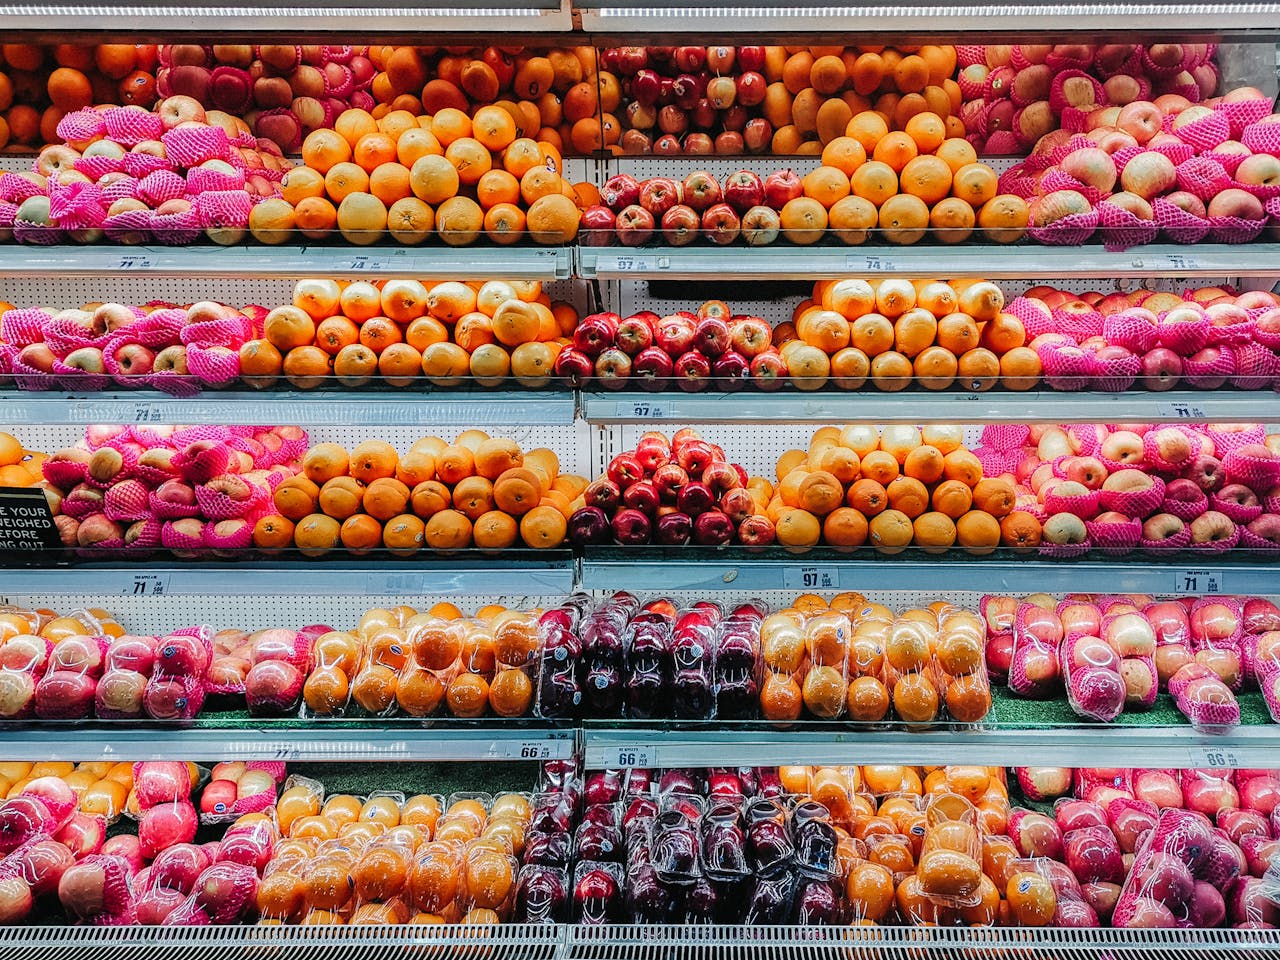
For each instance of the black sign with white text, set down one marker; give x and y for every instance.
(26, 524)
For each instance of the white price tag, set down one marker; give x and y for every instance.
(1181, 411)
(285, 751)
(633, 264)
(631, 755)
(1198, 581)
(133, 261)
(375, 263)
(397, 584)
(811, 578)
(147, 585)
(146, 412)
(643, 410)
(526, 750)
(1178, 261)
(870, 264)
(1214, 757)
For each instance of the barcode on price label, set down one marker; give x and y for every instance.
(1181, 411)
(811, 578)
(643, 410)
(870, 264)
(147, 585)
(1197, 581)
(1213, 757)
(631, 755)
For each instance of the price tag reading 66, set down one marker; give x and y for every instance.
(815, 577)
(632, 755)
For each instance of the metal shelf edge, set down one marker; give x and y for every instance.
(996, 406)
(261, 740)
(1162, 746)
(330, 408)
(888, 573)
(1029, 261)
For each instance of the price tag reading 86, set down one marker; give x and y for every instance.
(811, 578)
(1214, 758)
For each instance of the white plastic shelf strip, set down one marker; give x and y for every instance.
(511, 263)
(993, 406)
(615, 745)
(399, 741)
(782, 261)
(317, 16)
(620, 17)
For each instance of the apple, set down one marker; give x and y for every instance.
(653, 368)
(674, 334)
(659, 194)
(1234, 202)
(749, 336)
(700, 189)
(634, 334)
(720, 224)
(781, 187)
(1088, 472)
(680, 225)
(598, 225)
(634, 225)
(1065, 528)
(760, 226)
(1188, 203)
(1212, 527)
(743, 190)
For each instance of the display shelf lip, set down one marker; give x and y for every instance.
(612, 17)
(263, 739)
(293, 261)
(311, 407)
(417, 575)
(921, 406)
(271, 16)
(1082, 745)
(612, 568)
(991, 261)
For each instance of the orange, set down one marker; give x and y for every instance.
(935, 368)
(1004, 218)
(459, 221)
(957, 333)
(511, 693)
(996, 497)
(845, 154)
(845, 527)
(964, 466)
(543, 527)
(851, 217)
(908, 495)
(974, 183)
(952, 220)
(867, 127)
(362, 218)
(875, 181)
(497, 186)
(904, 219)
(373, 150)
(978, 369)
(1031, 899)
(448, 530)
(315, 217)
(890, 531)
(826, 185)
(934, 531)
(553, 219)
(316, 534)
(340, 497)
(804, 220)
(469, 157)
(896, 150)
(433, 179)
(914, 331)
(389, 182)
(978, 532)
(493, 127)
(956, 152)
(300, 183)
(344, 179)
(927, 130)
(926, 177)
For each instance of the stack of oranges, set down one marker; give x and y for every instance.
(896, 333)
(908, 183)
(856, 658)
(402, 332)
(421, 662)
(894, 488)
(478, 491)
(554, 95)
(390, 859)
(19, 467)
(39, 85)
(447, 175)
(884, 815)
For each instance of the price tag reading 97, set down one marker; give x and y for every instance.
(811, 578)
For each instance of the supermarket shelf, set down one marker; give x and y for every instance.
(337, 942)
(316, 742)
(768, 18)
(633, 942)
(951, 406)
(376, 578)
(693, 568)
(1028, 262)
(754, 744)
(915, 943)
(508, 263)
(266, 17)
(313, 408)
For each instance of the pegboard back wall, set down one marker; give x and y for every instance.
(756, 446)
(632, 296)
(71, 291)
(572, 443)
